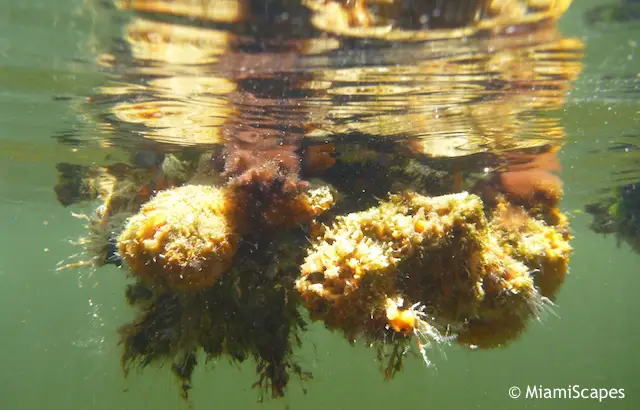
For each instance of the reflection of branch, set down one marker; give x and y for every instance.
(532, 186)
(529, 179)
(264, 140)
(264, 163)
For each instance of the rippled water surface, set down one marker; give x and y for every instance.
(92, 88)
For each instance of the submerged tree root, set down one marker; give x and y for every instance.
(248, 314)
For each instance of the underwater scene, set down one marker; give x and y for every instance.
(312, 204)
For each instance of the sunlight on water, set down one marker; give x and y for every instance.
(95, 340)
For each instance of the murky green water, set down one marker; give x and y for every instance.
(60, 348)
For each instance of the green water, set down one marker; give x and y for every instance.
(59, 345)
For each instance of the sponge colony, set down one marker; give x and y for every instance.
(183, 239)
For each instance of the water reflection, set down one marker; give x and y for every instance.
(185, 84)
(254, 128)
